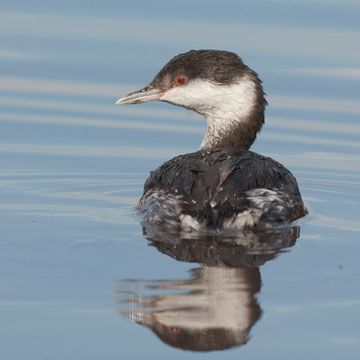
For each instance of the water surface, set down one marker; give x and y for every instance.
(76, 271)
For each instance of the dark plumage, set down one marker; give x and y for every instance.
(215, 65)
(223, 178)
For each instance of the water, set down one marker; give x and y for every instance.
(74, 265)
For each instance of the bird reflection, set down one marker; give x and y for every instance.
(216, 307)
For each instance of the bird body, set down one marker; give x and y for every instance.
(221, 189)
(223, 185)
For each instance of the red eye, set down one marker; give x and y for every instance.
(180, 80)
(173, 329)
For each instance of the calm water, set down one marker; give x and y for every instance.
(76, 273)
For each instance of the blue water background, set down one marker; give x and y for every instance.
(72, 166)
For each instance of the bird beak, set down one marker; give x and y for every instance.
(140, 96)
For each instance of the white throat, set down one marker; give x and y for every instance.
(225, 107)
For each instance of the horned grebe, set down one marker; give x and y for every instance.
(223, 185)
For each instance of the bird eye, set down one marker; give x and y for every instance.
(180, 80)
(173, 329)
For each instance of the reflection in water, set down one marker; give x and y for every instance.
(216, 307)
(247, 249)
(213, 310)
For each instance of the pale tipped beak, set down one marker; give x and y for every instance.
(140, 96)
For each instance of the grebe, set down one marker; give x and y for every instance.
(222, 185)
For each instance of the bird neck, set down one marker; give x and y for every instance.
(236, 134)
(236, 117)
